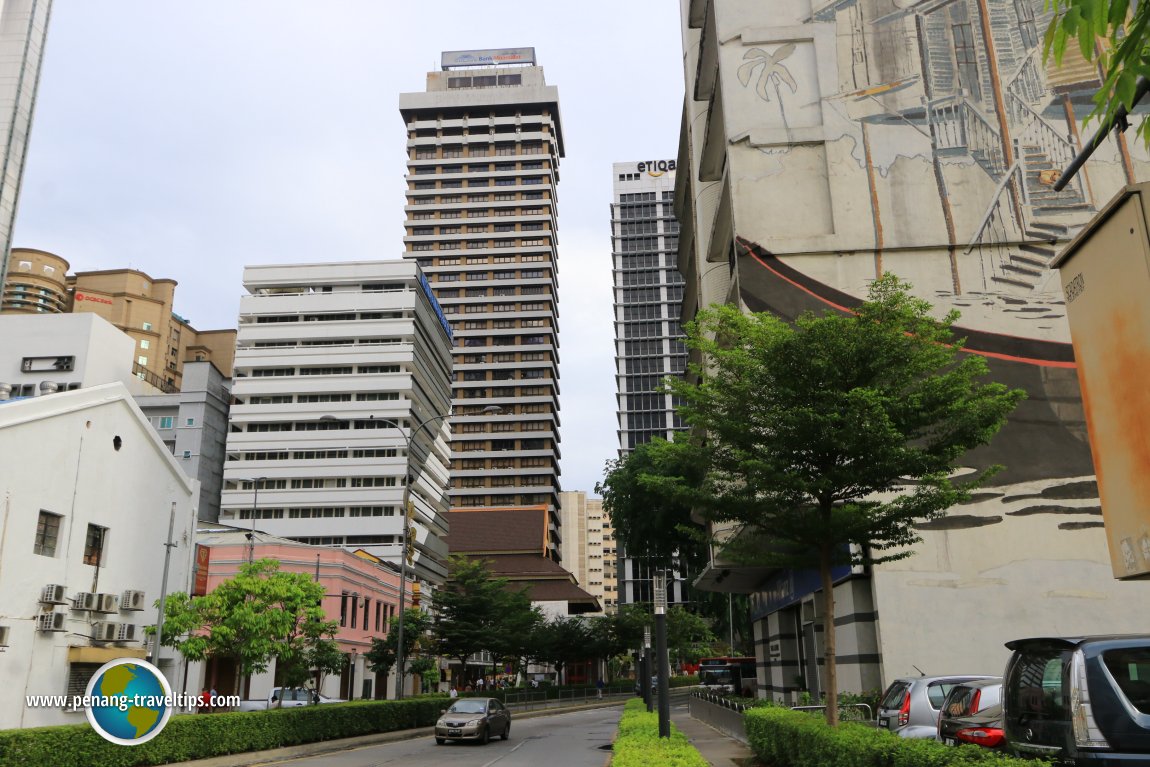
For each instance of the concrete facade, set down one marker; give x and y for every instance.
(648, 291)
(827, 143)
(37, 283)
(194, 424)
(137, 304)
(68, 351)
(360, 593)
(88, 491)
(590, 551)
(336, 365)
(484, 146)
(23, 30)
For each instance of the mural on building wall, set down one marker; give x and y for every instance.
(958, 129)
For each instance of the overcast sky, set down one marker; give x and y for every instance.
(188, 140)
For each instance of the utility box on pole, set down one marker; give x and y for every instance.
(1105, 275)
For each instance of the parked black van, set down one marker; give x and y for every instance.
(1080, 700)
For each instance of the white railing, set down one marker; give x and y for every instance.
(1026, 82)
(999, 223)
(1059, 149)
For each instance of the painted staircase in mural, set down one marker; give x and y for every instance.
(1026, 219)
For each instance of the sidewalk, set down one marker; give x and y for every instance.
(718, 749)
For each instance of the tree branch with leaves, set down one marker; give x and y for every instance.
(825, 442)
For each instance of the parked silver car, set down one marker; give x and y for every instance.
(910, 705)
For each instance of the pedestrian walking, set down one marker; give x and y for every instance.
(599, 687)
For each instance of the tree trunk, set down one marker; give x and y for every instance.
(832, 686)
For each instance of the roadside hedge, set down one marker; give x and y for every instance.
(638, 743)
(198, 736)
(785, 738)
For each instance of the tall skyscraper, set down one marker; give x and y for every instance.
(484, 142)
(340, 369)
(23, 28)
(648, 337)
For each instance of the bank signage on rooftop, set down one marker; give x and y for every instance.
(488, 58)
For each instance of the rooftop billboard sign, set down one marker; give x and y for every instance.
(488, 58)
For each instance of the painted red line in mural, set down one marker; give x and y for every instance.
(1009, 357)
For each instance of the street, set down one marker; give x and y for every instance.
(577, 739)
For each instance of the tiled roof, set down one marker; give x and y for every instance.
(498, 531)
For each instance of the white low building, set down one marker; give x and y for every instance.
(86, 495)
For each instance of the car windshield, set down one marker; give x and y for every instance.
(468, 707)
(711, 676)
(959, 702)
(1130, 668)
(1034, 689)
(894, 695)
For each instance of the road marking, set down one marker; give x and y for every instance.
(509, 751)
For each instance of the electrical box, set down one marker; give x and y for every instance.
(1105, 275)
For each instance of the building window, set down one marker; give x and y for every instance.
(147, 326)
(145, 343)
(142, 360)
(47, 532)
(190, 422)
(166, 421)
(94, 544)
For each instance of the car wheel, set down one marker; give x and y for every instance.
(440, 741)
(506, 731)
(486, 736)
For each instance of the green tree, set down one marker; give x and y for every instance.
(417, 625)
(258, 616)
(825, 442)
(1109, 32)
(477, 612)
(563, 640)
(650, 524)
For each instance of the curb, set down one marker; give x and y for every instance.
(255, 758)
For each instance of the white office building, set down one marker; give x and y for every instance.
(339, 366)
(484, 143)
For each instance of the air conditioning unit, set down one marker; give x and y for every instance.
(132, 600)
(50, 622)
(53, 594)
(107, 603)
(105, 631)
(84, 600)
(4, 632)
(126, 632)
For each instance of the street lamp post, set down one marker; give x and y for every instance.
(661, 653)
(645, 669)
(255, 510)
(408, 514)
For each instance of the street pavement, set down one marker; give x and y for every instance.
(580, 738)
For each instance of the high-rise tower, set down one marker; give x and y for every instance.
(648, 338)
(484, 142)
(23, 28)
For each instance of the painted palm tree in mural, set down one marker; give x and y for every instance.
(771, 72)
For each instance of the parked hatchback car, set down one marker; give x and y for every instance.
(1080, 700)
(983, 729)
(910, 705)
(963, 701)
(473, 719)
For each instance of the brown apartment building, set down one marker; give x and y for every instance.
(39, 283)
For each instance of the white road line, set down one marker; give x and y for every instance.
(518, 746)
